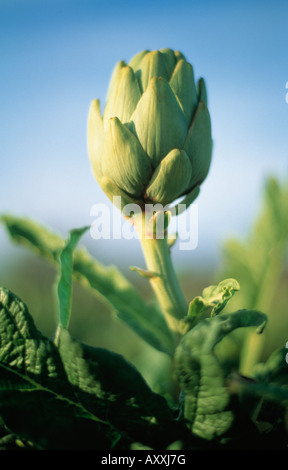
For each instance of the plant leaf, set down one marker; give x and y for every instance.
(129, 306)
(114, 390)
(82, 396)
(107, 281)
(269, 379)
(200, 375)
(258, 262)
(213, 299)
(33, 379)
(64, 283)
(275, 369)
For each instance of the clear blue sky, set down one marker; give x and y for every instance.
(58, 55)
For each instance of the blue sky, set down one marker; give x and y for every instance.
(58, 55)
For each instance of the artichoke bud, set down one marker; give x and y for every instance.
(153, 142)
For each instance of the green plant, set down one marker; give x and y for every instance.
(92, 398)
(259, 264)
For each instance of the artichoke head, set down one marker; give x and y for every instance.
(153, 142)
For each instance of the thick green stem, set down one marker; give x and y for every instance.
(162, 277)
(255, 344)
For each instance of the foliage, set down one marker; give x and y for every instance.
(201, 377)
(78, 386)
(91, 398)
(213, 299)
(259, 263)
(106, 281)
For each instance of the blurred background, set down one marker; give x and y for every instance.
(57, 56)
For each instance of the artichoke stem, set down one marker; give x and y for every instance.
(164, 283)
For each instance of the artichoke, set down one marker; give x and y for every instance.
(153, 143)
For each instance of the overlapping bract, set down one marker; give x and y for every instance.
(153, 142)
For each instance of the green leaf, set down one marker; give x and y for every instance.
(258, 262)
(36, 400)
(73, 397)
(124, 160)
(213, 299)
(114, 390)
(269, 380)
(186, 202)
(170, 178)
(100, 376)
(275, 369)
(30, 234)
(159, 105)
(64, 283)
(207, 407)
(145, 320)
(107, 281)
(143, 272)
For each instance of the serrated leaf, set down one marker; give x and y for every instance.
(200, 375)
(73, 397)
(274, 369)
(107, 281)
(36, 400)
(111, 387)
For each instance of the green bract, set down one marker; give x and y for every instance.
(153, 142)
